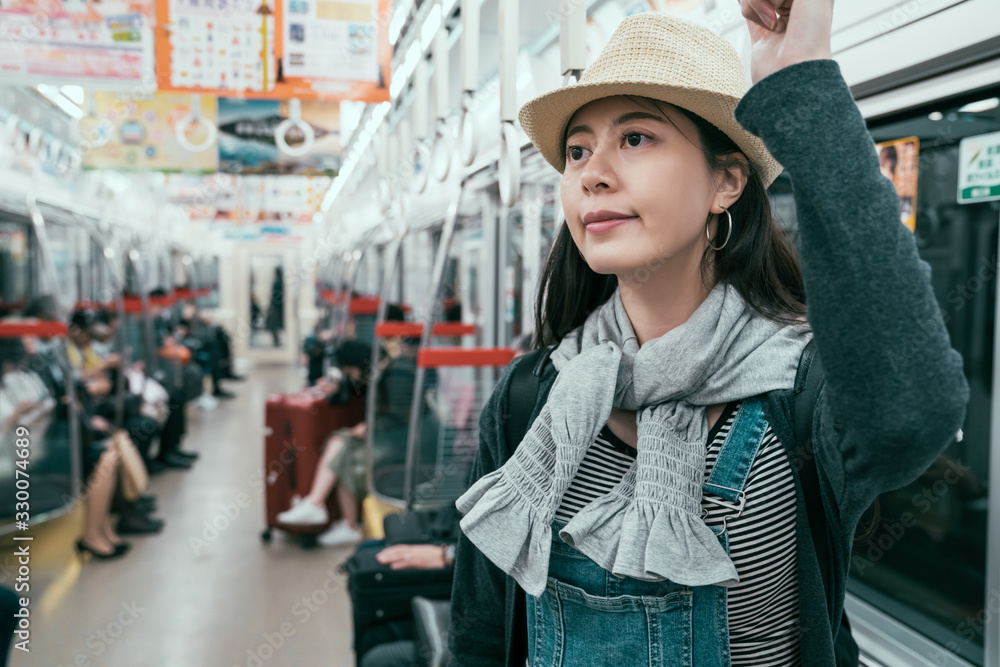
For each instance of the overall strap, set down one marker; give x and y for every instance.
(736, 457)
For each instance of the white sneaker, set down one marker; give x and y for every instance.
(207, 402)
(305, 514)
(339, 534)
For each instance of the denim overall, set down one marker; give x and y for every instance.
(590, 617)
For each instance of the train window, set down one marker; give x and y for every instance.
(921, 555)
(36, 416)
(15, 267)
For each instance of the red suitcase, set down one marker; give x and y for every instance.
(296, 429)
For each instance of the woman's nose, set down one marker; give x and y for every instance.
(599, 172)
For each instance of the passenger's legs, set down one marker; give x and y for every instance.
(312, 508)
(348, 505)
(173, 431)
(97, 533)
(325, 477)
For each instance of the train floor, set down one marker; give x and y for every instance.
(205, 592)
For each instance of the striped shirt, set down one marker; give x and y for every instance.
(763, 606)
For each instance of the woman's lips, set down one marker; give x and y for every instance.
(604, 226)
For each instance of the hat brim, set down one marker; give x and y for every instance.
(544, 118)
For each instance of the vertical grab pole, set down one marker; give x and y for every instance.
(572, 38)
(437, 278)
(374, 369)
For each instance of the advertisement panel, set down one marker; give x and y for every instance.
(247, 138)
(91, 50)
(899, 162)
(142, 134)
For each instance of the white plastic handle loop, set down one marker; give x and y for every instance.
(180, 129)
(294, 120)
(35, 140)
(54, 152)
(468, 141)
(420, 160)
(441, 154)
(11, 129)
(96, 136)
(509, 165)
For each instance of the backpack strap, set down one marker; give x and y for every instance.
(808, 381)
(522, 394)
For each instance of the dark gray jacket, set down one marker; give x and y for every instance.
(895, 390)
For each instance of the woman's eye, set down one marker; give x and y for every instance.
(575, 153)
(634, 138)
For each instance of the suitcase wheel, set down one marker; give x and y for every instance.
(310, 541)
(265, 536)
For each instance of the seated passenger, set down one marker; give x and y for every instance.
(32, 390)
(344, 461)
(210, 350)
(314, 351)
(438, 555)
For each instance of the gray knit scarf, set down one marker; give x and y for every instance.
(649, 526)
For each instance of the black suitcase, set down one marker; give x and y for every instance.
(380, 596)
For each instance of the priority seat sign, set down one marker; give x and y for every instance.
(979, 168)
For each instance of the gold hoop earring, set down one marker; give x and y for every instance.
(708, 233)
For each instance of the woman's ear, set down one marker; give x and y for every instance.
(732, 180)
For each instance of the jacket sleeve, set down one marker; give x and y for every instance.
(477, 633)
(895, 391)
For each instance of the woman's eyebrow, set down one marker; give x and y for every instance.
(620, 120)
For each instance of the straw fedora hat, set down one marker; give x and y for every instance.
(664, 58)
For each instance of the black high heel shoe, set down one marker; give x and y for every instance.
(83, 548)
(122, 547)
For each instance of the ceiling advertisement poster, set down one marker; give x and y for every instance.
(249, 201)
(275, 49)
(336, 49)
(100, 49)
(247, 142)
(899, 162)
(223, 47)
(141, 134)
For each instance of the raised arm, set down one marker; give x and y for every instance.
(895, 391)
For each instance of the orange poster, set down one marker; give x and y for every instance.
(221, 47)
(275, 49)
(899, 162)
(335, 49)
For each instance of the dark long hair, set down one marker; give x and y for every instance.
(759, 260)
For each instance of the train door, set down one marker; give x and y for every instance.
(926, 575)
(268, 295)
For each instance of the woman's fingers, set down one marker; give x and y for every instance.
(761, 12)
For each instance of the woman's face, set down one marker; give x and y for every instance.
(627, 162)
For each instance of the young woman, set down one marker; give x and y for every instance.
(652, 514)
